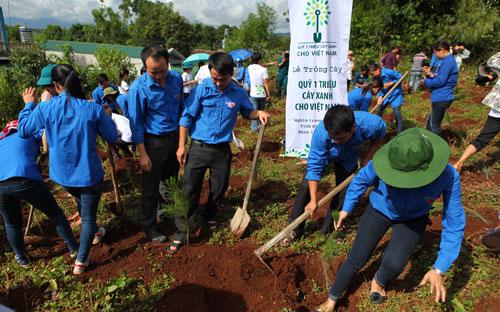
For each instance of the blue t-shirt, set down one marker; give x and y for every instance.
(71, 126)
(405, 204)
(444, 82)
(18, 157)
(396, 97)
(359, 102)
(211, 114)
(324, 150)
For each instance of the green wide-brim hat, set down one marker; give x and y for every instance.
(109, 91)
(46, 76)
(414, 158)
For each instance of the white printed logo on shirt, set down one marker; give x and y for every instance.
(231, 105)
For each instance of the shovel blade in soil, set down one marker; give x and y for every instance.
(240, 222)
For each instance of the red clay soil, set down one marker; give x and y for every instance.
(488, 304)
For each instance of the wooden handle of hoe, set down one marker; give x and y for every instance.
(264, 248)
(113, 179)
(390, 91)
(254, 165)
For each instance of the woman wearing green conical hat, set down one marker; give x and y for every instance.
(408, 174)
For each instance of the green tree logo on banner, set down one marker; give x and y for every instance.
(317, 14)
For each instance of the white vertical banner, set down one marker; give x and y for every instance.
(317, 78)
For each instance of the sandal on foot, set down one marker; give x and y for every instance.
(80, 267)
(321, 309)
(289, 239)
(175, 245)
(99, 235)
(377, 298)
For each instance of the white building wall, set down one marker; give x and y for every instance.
(88, 59)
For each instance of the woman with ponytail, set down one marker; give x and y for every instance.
(360, 99)
(72, 125)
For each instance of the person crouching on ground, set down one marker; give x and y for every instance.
(408, 174)
(72, 125)
(210, 117)
(335, 140)
(20, 179)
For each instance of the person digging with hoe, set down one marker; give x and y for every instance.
(335, 141)
(408, 174)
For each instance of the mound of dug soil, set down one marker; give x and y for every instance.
(217, 278)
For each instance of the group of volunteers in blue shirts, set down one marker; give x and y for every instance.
(407, 174)
(440, 80)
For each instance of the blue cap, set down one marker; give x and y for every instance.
(46, 75)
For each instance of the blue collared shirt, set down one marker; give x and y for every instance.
(405, 204)
(357, 101)
(71, 128)
(445, 80)
(155, 109)
(18, 157)
(98, 95)
(396, 97)
(211, 115)
(324, 150)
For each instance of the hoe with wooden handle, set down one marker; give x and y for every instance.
(394, 86)
(241, 218)
(286, 231)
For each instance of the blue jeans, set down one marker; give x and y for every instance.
(436, 116)
(372, 227)
(414, 80)
(397, 115)
(87, 201)
(38, 195)
(258, 104)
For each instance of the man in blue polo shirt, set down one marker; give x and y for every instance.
(155, 103)
(209, 117)
(408, 174)
(335, 140)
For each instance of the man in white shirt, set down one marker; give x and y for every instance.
(260, 91)
(187, 80)
(202, 74)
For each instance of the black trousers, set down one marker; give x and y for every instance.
(490, 129)
(216, 158)
(304, 197)
(404, 239)
(162, 152)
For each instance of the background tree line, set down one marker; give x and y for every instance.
(376, 26)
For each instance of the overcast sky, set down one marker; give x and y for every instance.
(38, 13)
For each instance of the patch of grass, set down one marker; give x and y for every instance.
(223, 236)
(269, 221)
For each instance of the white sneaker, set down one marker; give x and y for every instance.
(79, 267)
(99, 235)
